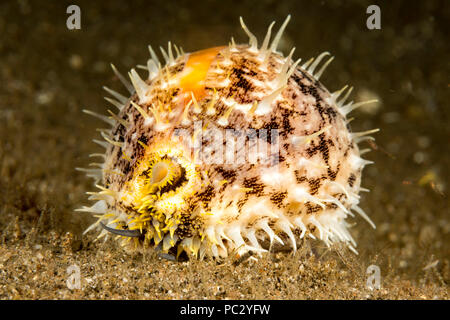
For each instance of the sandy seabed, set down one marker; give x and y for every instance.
(48, 74)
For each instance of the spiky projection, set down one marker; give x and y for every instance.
(265, 153)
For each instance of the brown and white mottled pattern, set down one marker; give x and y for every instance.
(213, 208)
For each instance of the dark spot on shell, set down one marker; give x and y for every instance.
(278, 197)
(252, 183)
(241, 202)
(351, 180)
(206, 195)
(312, 208)
(299, 178)
(314, 185)
(229, 175)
